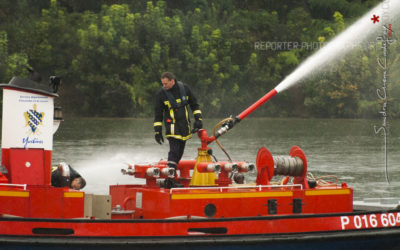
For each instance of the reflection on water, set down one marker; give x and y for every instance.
(349, 149)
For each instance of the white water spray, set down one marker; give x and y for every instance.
(341, 44)
(104, 168)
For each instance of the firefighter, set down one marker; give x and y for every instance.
(63, 175)
(172, 104)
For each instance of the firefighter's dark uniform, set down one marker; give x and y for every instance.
(176, 118)
(58, 180)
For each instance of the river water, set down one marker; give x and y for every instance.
(348, 149)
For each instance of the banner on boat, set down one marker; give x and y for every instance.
(27, 120)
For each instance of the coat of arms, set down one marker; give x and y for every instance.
(33, 119)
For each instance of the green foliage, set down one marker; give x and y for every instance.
(110, 54)
(14, 64)
(3, 52)
(17, 64)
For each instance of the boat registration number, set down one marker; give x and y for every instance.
(370, 221)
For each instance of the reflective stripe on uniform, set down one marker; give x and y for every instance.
(196, 112)
(157, 124)
(167, 104)
(179, 137)
(171, 114)
(187, 119)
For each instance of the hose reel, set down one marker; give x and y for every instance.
(288, 165)
(294, 164)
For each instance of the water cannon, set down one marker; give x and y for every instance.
(225, 127)
(207, 179)
(229, 123)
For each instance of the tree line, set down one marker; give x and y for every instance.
(110, 54)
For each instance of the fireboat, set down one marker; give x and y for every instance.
(217, 207)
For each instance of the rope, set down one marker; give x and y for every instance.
(216, 140)
(320, 180)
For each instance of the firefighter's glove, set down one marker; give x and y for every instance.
(159, 138)
(63, 169)
(198, 124)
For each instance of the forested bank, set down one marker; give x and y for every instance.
(110, 54)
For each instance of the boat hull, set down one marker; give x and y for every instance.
(360, 239)
(358, 230)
